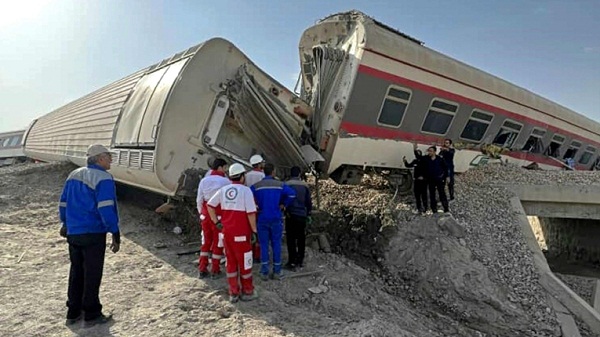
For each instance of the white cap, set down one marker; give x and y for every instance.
(236, 169)
(96, 149)
(256, 159)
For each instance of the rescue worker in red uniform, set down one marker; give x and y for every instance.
(213, 242)
(238, 222)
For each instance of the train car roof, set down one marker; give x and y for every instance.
(11, 133)
(391, 41)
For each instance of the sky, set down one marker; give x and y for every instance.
(55, 51)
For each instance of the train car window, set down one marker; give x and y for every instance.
(477, 126)
(439, 117)
(508, 134)
(394, 106)
(572, 151)
(14, 141)
(587, 155)
(1, 142)
(5, 142)
(553, 149)
(534, 142)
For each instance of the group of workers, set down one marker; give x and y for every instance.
(241, 213)
(432, 173)
(243, 216)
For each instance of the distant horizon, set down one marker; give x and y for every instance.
(556, 63)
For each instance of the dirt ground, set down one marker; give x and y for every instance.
(154, 292)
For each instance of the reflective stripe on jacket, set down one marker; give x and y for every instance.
(88, 203)
(269, 195)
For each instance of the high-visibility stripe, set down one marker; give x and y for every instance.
(63, 204)
(247, 276)
(106, 203)
(217, 257)
(230, 275)
(264, 263)
(204, 254)
(268, 188)
(239, 238)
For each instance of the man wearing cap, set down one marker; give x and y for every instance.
(88, 210)
(211, 244)
(238, 223)
(252, 177)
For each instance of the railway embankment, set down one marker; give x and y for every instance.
(471, 273)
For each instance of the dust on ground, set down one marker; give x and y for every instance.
(469, 274)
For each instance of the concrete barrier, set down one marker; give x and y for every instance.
(596, 296)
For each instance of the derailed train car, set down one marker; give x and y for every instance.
(164, 123)
(375, 91)
(11, 150)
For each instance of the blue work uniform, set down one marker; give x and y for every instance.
(270, 194)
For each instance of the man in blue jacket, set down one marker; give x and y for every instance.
(298, 216)
(271, 196)
(88, 210)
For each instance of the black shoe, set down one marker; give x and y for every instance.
(71, 321)
(290, 266)
(202, 274)
(102, 319)
(216, 276)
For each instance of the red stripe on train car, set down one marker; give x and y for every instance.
(476, 104)
(385, 133)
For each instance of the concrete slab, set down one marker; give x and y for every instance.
(596, 296)
(576, 202)
(534, 247)
(576, 305)
(567, 325)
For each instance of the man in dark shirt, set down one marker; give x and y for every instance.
(420, 183)
(297, 217)
(447, 152)
(437, 175)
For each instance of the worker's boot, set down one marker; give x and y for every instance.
(249, 297)
(202, 274)
(234, 298)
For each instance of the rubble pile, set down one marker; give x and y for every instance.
(485, 278)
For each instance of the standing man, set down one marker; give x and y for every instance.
(420, 181)
(88, 210)
(212, 244)
(271, 197)
(447, 152)
(238, 212)
(298, 216)
(257, 174)
(437, 176)
(252, 177)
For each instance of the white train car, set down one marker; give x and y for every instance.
(164, 123)
(375, 91)
(11, 149)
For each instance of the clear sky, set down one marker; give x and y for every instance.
(52, 52)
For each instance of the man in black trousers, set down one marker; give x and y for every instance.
(297, 217)
(447, 152)
(420, 182)
(437, 175)
(88, 210)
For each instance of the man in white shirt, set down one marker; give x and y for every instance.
(213, 242)
(257, 174)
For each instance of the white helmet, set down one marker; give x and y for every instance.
(256, 159)
(236, 169)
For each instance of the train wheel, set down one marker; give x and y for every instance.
(401, 182)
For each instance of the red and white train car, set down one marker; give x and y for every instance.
(376, 91)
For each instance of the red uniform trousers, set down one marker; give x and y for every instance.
(210, 247)
(238, 250)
